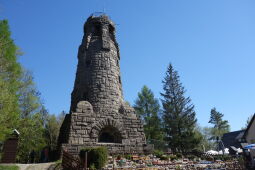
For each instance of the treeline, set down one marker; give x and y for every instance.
(173, 124)
(21, 106)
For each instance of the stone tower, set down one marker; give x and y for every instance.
(98, 72)
(99, 116)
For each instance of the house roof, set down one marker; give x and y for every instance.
(232, 139)
(249, 125)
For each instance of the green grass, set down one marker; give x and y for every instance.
(58, 161)
(9, 167)
(58, 165)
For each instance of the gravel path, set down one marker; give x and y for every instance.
(41, 166)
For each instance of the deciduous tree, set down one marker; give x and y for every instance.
(206, 141)
(10, 71)
(32, 118)
(52, 127)
(148, 108)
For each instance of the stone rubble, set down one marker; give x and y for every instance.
(153, 163)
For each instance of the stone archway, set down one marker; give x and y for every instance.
(108, 131)
(109, 134)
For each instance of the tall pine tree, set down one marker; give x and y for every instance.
(148, 108)
(178, 114)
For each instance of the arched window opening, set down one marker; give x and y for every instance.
(97, 30)
(109, 134)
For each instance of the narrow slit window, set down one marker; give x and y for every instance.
(111, 31)
(119, 79)
(88, 62)
(85, 96)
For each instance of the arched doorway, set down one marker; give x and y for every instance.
(109, 134)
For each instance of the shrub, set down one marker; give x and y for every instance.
(129, 157)
(178, 167)
(97, 157)
(241, 161)
(217, 157)
(209, 158)
(179, 155)
(164, 157)
(227, 157)
(223, 157)
(173, 157)
(92, 167)
(158, 153)
(191, 157)
(58, 164)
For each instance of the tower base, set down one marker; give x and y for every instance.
(120, 131)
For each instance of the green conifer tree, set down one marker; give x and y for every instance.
(220, 126)
(178, 114)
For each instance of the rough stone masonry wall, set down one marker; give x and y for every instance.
(86, 127)
(98, 73)
(97, 99)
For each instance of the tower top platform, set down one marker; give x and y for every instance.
(99, 17)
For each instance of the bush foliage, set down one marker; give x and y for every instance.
(97, 157)
(158, 153)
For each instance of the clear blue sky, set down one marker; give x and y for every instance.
(210, 42)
